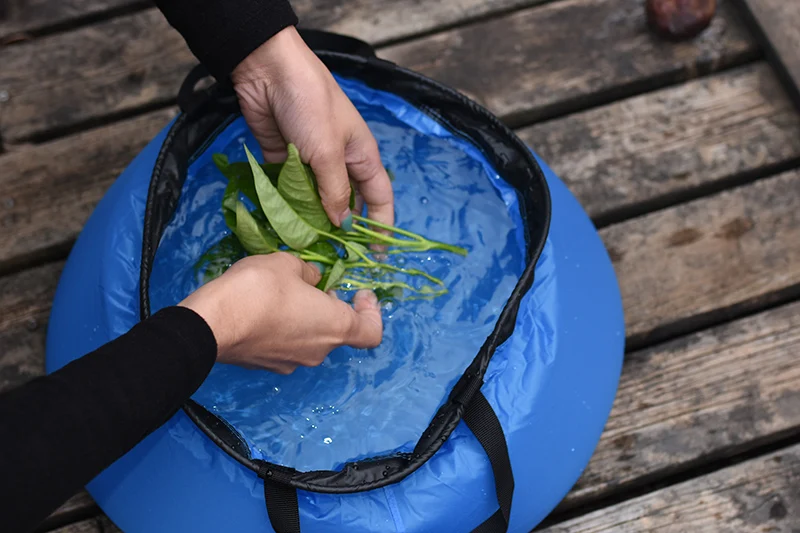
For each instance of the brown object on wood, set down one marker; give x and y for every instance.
(680, 19)
(778, 24)
(760, 495)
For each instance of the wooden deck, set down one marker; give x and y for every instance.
(686, 155)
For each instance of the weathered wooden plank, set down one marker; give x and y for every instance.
(527, 63)
(381, 21)
(777, 23)
(699, 261)
(19, 17)
(613, 157)
(48, 192)
(662, 144)
(733, 249)
(540, 61)
(761, 495)
(700, 397)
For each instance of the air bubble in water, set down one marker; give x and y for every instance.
(423, 200)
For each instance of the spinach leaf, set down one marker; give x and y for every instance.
(254, 237)
(288, 224)
(296, 185)
(334, 275)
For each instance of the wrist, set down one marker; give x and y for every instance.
(209, 308)
(271, 58)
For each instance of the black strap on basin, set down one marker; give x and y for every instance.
(482, 421)
(283, 507)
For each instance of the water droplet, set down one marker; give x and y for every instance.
(327, 440)
(276, 390)
(4, 96)
(423, 200)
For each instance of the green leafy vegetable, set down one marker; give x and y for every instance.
(289, 216)
(293, 230)
(254, 237)
(296, 186)
(334, 275)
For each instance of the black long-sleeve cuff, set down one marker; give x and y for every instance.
(222, 33)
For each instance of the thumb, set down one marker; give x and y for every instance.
(367, 328)
(334, 184)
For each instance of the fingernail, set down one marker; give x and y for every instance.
(347, 220)
(318, 266)
(368, 297)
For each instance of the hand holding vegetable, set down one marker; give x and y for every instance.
(266, 313)
(287, 95)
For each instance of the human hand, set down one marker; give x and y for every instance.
(287, 95)
(266, 312)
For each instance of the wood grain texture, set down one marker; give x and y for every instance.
(19, 17)
(527, 63)
(760, 495)
(778, 26)
(380, 21)
(612, 157)
(706, 259)
(698, 398)
(735, 248)
(48, 192)
(540, 61)
(662, 144)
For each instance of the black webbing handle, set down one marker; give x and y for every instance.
(482, 421)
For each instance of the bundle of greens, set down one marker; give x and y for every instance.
(289, 216)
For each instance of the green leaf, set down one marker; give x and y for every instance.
(391, 174)
(217, 259)
(352, 197)
(296, 186)
(229, 200)
(241, 173)
(325, 249)
(288, 224)
(334, 275)
(254, 237)
(353, 257)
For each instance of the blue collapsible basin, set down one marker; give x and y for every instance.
(480, 409)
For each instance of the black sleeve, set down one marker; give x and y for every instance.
(59, 431)
(221, 33)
